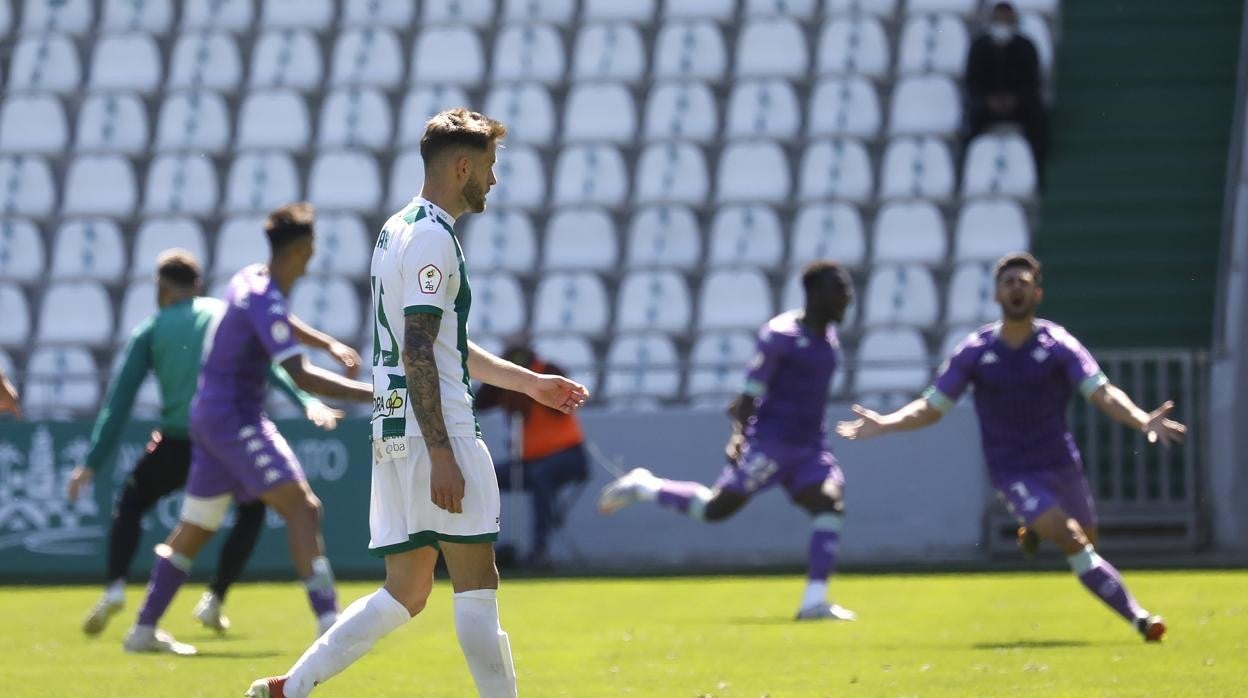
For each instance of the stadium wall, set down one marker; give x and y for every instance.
(915, 497)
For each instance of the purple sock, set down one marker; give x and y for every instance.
(682, 496)
(322, 596)
(821, 556)
(164, 583)
(1102, 579)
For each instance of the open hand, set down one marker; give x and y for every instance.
(868, 424)
(557, 392)
(736, 444)
(1159, 428)
(348, 357)
(9, 399)
(323, 415)
(79, 478)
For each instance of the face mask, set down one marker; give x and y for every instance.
(1000, 32)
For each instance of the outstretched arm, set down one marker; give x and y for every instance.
(552, 391)
(916, 415)
(312, 337)
(324, 383)
(1117, 405)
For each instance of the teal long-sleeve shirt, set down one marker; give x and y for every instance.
(171, 344)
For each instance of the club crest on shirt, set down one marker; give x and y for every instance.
(989, 357)
(280, 331)
(1040, 354)
(430, 279)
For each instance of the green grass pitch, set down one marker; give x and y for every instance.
(1035, 634)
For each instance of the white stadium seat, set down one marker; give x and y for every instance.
(1035, 28)
(28, 187)
(33, 124)
(421, 103)
(638, 11)
(953, 337)
(196, 121)
(150, 16)
(772, 48)
(797, 9)
(682, 111)
(929, 104)
(207, 60)
(297, 14)
(580, 238)
(528, 52)
(734, 299)
(328, 304)
(663, 237)
(838, 168)
(125, 62)
(570, 302)
(147, 402)
(286, 58)
(1047, 7)
(612, 51)
(112, 123)
(910, 232)
(738, 179)
(22, 253)
(47, 63)
(240, 242)
(717, 365)
(407, 176)
(970, 298)
(69, 16)
(917, 167)
(892, 359)
(571, 353)
(558, 12)
(75, 312)
(653, 300)
(844, 107)
(723, 11)
(599, 113)
(746, 235)
(230, 15)
(355, 117)
(901, 295)
(261, 181)
(88, 248)
(367, 56)
(343, 246)
(999, 165)
(989, 228)
(60, 381)
(526, 109)
(642, 365)
(99, 185)
(476, 13)
(345, 180)
(960, 7)
(671, 173)
(590, 174)
(498, 305)
(879, 8)
(377, 13)
(14, 308)
(521, 178)
(137, 305)
(853, 46)
(690, 50)
(7, 365)
(763, 109)
(159, 234)
(500, 240)
(828, 231)
(933, 44)
(181, 183)
(451, 55)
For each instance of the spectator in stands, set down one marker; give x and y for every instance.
(1003, 83)
(9, 400)
(551, 445)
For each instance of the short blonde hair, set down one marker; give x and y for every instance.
(459, 127)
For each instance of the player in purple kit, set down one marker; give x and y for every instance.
(237, 452)
(778, 435)
(1024, 372)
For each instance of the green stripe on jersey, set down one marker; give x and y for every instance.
(430, 309)
(463, 303)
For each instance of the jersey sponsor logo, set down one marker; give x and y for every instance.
(280, 331)
(388, 405)
(1040, 354)
(989, 357)
(430, 279)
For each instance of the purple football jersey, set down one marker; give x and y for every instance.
(790, 376)
(252, 332)
(1021, 395)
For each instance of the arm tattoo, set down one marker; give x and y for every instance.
(423, 390)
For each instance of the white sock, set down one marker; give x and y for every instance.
(816, 593)
(363, 623)
(116, 590)
(484, 643)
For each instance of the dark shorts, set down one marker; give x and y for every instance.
(162, 470)
(242, 459)
(764, 464)
(1028, 494)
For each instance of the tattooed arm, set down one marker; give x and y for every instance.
(424, 392)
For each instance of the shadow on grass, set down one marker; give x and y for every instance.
(236, 654)
(1029, 644)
